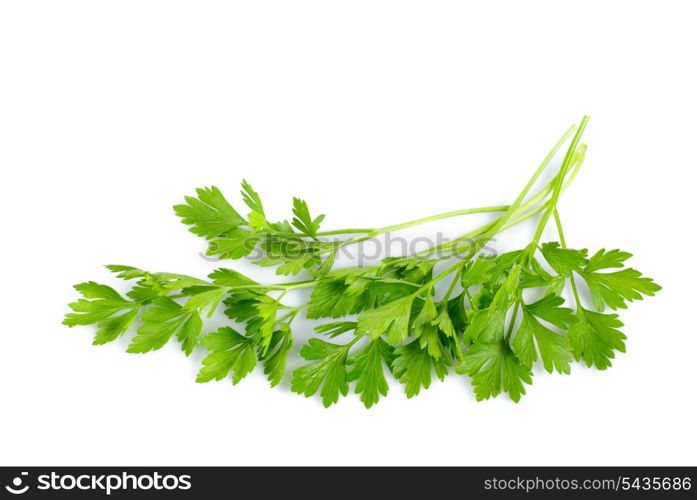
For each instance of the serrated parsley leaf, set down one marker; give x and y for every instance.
(100, 302)
(425, 329)
(595, 337)
(444, 322)
(292, 265)
(230, 277)
(564, 260)
(205, 298)
(486, 325)
(477, 272)
(252, 199)
(413, 366)
(265, 324)
(366, 368)
(126, 272)
(242, 306)
(209, 214)
(303, 221)
(329, 371)
(494, 368)
(554, 347)
(165, 319)
(112, 328)
(335, 329)
(549, 309)
(391, 320)
(228, 352)
(607, 260)
(330, 299)
(617, 288)
(234, 244)
(277, 354)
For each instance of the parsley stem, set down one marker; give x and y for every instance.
(452, 285)
(396, 227)
(371, 233)
(458, 265)
(524, 193)
(343, 231)
(445, 215)
(562, 240)
(516, 305)
(532, 202)
(559, 181)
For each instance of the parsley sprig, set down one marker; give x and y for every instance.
(451, 309)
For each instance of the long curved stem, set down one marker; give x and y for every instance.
(509, 209)
(570, 153)
(527, 210)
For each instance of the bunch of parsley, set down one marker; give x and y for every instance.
(392, 316)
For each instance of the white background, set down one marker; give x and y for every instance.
(375, 112)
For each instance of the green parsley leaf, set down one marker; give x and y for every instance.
(549, 309)
(329, 371)
(413, 366)
(615, 289)
(234, 244)
(595, 337)
(426, 331)
(127, 272)
(564, 260)
(494, 368)
(366, 369)
(100, 302)
(391, 320)
(303, 220)
(230, 278)
(229, 352)
(209, 214)
(160, 322)
(477, 272)
(276, 355)
(554, 347)
(252, 199)
(335, 329)
(205, 298)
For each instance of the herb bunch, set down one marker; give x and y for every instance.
(393, 317)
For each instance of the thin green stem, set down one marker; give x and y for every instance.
(570, 154)
(532, 202)
(292, 313)
(344, 231)
(404, 225)
(445, 215)
(372, 232)
(442, 275)
(452, 286)
(526, 206)
(572, 279)
(458, 348)
(508, 209)
(524, 193)
(516, 306)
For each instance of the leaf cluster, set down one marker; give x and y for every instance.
(499, 317)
